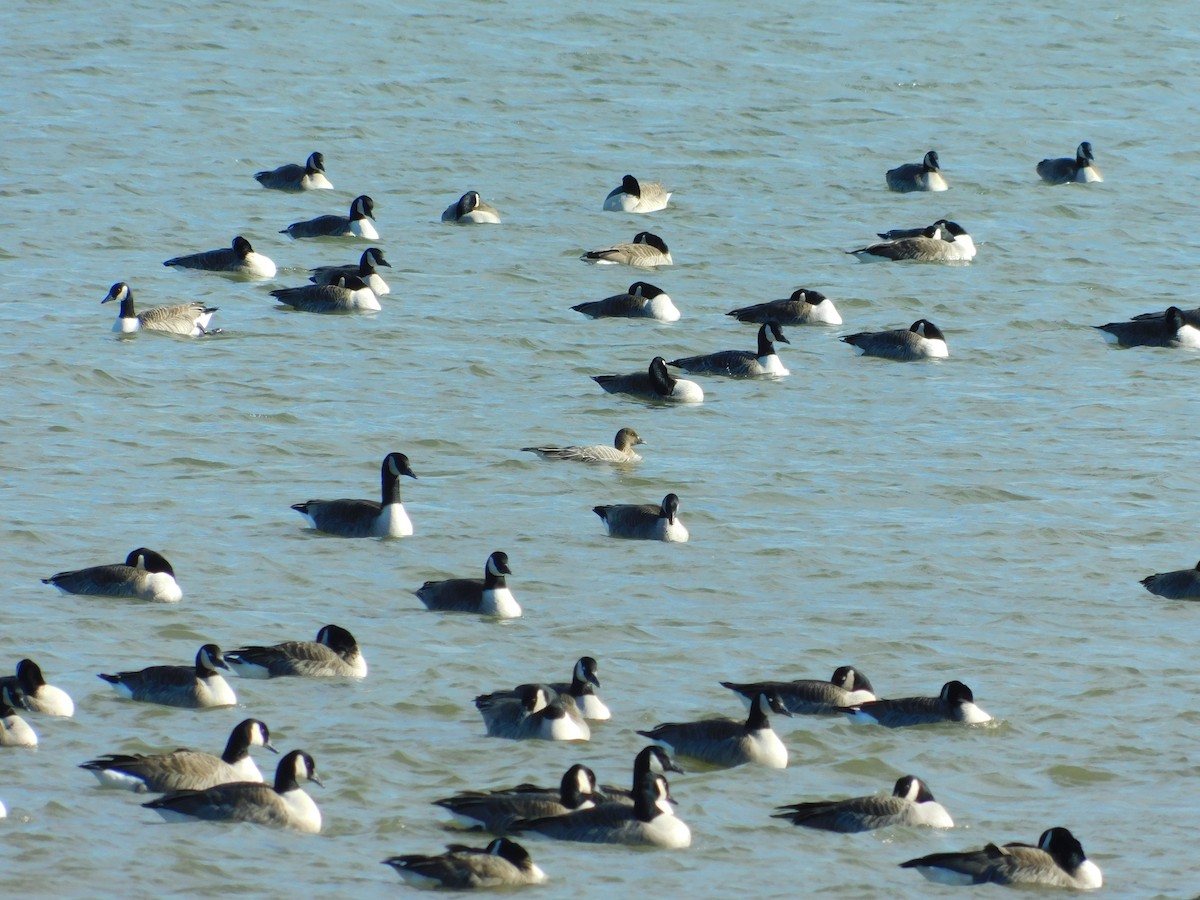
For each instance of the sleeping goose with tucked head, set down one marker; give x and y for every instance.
(470, 209)
(237, 259)
(645, 250)
(641, 301)
(333, 654)
(808, 696)
(346, 295)
(922, 340)
(803, 307)
(656, 384)
(910, 803)
(145, 575)
(502, 863)
(365, 518)
(1058, 860)
(36, 695)
(637, 196)
(1171, 328)
(955, 703)
(14, 731)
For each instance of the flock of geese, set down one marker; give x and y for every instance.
(230, 786)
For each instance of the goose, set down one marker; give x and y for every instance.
(645, 521)
(348, 294)
(579, 693)
(922, 340)
(334, 653)
(239, 258)
(198, 686)
(1182, 584)
(803, 307)
(502, 863)
(641, 301)
(1081, 169)
(366, 269)
(741, 363)
(923, 176)
(3, 811)
(955, 703)
(1058, 860)
(1169, 329)
(189, 319)
(357, 224)
(36, 695)
(285, 805)
(645, 250)
(14, 731)
(637, 197)
(291, 177)
(728, 742)
(470, 209)
(960, 246)
(621, 450)
(365, 518)
(651, 760)
(495, 811)
(651, 821)
(487, 596)
(185, 770)
(656, 383)
(846, 687)
(533, 714)
(145, 575)
(910, 803)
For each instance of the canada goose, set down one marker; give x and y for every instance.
(239, 258)
(14, 731)
(502, 863)
(365, 518)
(470, 209)
(656, 383)
(496, 810)
(197, 686)
(809, 696)
(36, 695)
(357, 224)
(641, 301)
(728, 742)
(532, 714)
(1064, 170)
(923, 176)
(347, 294)
(910, 803)
(291, 177)
(955, 703)
(803, 307)
(366, 269)
(650, 760)
(1169, 329)
(1182, 584)
(1058, 860)
(741, 363)
(334, 653)
(145, 575)
(487, 596)
(578, 693)
(645, 521)
(922, 340)
(644, 250)
(190, 319)
(637, 196)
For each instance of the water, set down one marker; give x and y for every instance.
(986, 518)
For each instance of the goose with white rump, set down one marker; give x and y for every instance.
(1182, 584)
(471, 209)
(502, 863)
(923, 176)
(655, 384)
(758, 363)
(496, 810)
(645, 250)
(959, 245)
(385, 518)
(348, 294)
(36, 695)
(198, 686)
(292, 177)
(637, 196)
(1081, 169)
(804, 307)
(282, 805)
(1171, 328)
(910, 803)
(357, 224)
(187, 319)
(621, 450)
(807, 696)
(645, 521)
(641, 301)
(14, 731)
(333, 654)
(487, 596)
(578, 693)
(534, 714)
(367, 269)
(724, 742)
(145, 575)
(237, 259)
(921, 340)
(955, 703)
(1057, 861)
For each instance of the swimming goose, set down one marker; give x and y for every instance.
(809, 696)
(579, 693)
(641, 301)
(741, 363)
(198, 686)
(922, 340)
(284, 805)
(145, 575)
(803, 307)
(357, 224)
(637, 197)
(334, 653)
(1058, 860)
(189, 319)
(495, 811)
(533, 714)
(910, 803)
(960, 246)
(487, 596)
(645, 521)
(1065, 170)
(1182, 584)
(1168, 329)
(651, 821)
(656, 383)
(728, 742)
(36, 695)
(347, 294)
(470, 209)
(368, 263)
(239, 258)
(14, 731)
(365, 518)
(955, 703)
(620, 452)
(645, 250)
(291, 177)
(185, 770)
(502, 863)
(651, 760)
(923, 176)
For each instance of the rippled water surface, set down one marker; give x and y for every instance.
(985, 518)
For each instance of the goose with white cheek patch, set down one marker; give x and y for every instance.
(651, 760)
(1058, 861)
(960, 246)
(642, 301)
(923, 176)
(470, 209)
(645, 521)
(185, 770)
(727, 742)
(910, 803)
(385, 518)
(1065, 170)
(238, 259)
(808, 696)
(333, 654)
(646, 250)
(621, 450)
(1182, 584)
(579, 693)
(922, 340)
(145, 575)
(803, 307)
(502, 863)
(14, 731)
(357, 224)
(637, 196)
(36, 695)
(348, 294)
(955, 703)
(195, 687)
(291, 177)
(487, 596)
(282, 805)
(656, 384)
(1171, 328)
(187, 319)
(367, 269)
(495, 811)
(535, 714)
(741, 363)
